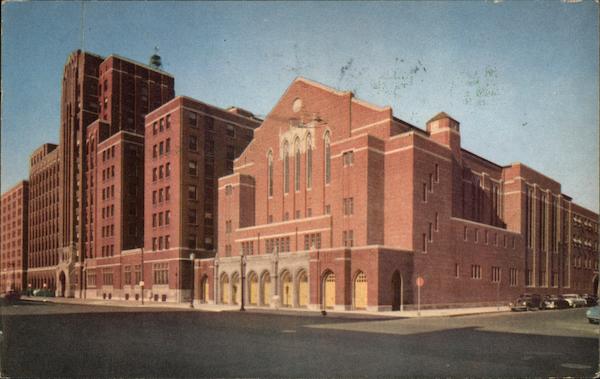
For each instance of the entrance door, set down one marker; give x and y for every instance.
(204, 289)
(360, 291)
(63, 283)
(253, 289)
(224, 290)
(302, 290)
(397, 291)
(329, 290)
(266, 289)
(286, 290)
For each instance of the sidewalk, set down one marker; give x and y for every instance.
(451, 312)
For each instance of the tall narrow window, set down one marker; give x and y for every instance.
(308, 162)
(286, 168)
(327, 159)
(297, 165)
(270, 173)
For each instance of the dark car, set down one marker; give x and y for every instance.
(555, 302)
(11, 296)
(590, 299)
(527, 302)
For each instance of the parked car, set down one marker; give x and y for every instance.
(555, 302)
(575, 300)
(43, 292)
(590, 299)
(11, 296)
(527, 302)
(593, 315)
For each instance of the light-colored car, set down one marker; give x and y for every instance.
(593, 315)
(575, 300)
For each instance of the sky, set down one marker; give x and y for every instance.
(521, 77)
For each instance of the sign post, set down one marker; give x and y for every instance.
(420, 282)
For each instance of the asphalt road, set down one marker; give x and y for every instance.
(44, 340)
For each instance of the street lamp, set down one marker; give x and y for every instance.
(192, 256)
(242, 276)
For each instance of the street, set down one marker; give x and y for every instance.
(43, 339)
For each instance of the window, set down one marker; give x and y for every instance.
(154, 128)
(230, 131)
(161, 148)
(465, 233)
(228, 190)
(167, 193)
(327, 209)
(107, 277)
(456, 270)
(160, 195)
(348, 158)
(193, 168)
(424, 194)
(437, 173)
(167, 242)
(168, 169)
(437, 221)
(513, 277)
(167, 217)
(327, 152)
(192, 119)
(270, 173)
(486, 237)
(496, 274)
(228, 226)
(168, 121)
(424, 242)
(297, 165)
(475, 272)
(308, 162)
(154, 152)
(160, 172)
(127, 274)
(312, 241)
(348, 206)
(154, 218)
(192, 192)
(476, 235)
(192, 216)
(430, 232)
(430, 182)
(168, 145)
(193, 143)
(348, 238)
(192, 241)
(160, 273)
(286, 168)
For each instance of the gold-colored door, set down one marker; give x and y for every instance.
(303, 291)
(225, 291)
(205, 294)
(266, 295)
(236, 292)
(329, 294)
(286, 289)
(253, 290)
(360, 291)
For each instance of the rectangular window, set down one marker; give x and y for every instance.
(160, 273)
(154, 218)
(513, 277)
(161, 148)
(193, 143)
(168, 121)
(230, 131)
(127, 274)
(193, 168)
(107, 277)
(476, 235)
(161, 125)
(475, 272)
(192, 216)
(167, 193)
(465, 233)
(424, 242)
(167, 217)
(348, 206)
(192, 195)
(192, 241)
(456, 270)
(168, 145)
(430, 182)
(437, 173)
(168, 169)
(496, 274)
(160, 195)
(192, 119)
(486, 237)
(327, 209)
(430, 232)
(348, 158)
(529, 278)
(437, 221)
(154, 152)
(424, 194)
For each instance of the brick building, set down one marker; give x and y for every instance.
(44, 237)
(14, 241)
(188, 146)
(104, 103)
(338, 204)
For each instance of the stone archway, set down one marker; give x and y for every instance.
(328, 286)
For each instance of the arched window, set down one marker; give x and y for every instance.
(286, 168)
(308, 162)
(327, 159)
(297, 165)
(270, 173)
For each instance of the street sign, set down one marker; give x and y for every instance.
(420, 281)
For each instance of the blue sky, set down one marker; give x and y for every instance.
(521, 77)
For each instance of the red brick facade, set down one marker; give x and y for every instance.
(14, 241)
(44, 236)
(336, 203)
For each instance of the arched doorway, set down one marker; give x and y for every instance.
(265, 289)
(236, 293)
(204, 289)
(396, 291)
(224, 286)
(286, 289)
(360, 291)
(329, 290)
(302, 289)
(252, 289)
(63, 283)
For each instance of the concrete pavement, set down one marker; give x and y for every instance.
(450, 312)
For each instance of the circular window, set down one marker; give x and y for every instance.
(297, 105)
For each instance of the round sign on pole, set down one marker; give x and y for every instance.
(420, 281)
